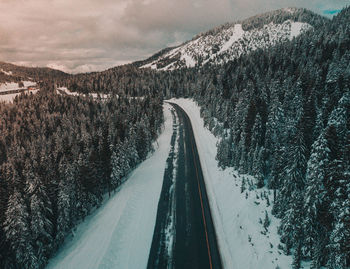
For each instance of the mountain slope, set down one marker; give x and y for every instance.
(14, 73)
(232, 40)
(16, 79)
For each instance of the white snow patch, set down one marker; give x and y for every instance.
(61, 90)
(96, 96)
(172, 53)
(151, 65)
(28, 84)
(297, 28)
(9, 73)
(190, 62)
(119, 234)
(169, 67)
(99, 95)
(237, 34)
(64, 90)
(10, 86)
(236, 218)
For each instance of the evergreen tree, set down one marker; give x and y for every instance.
(66, 200)
(315, 196)
(291, 227)
(18, 233)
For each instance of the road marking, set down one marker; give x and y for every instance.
(200, 197)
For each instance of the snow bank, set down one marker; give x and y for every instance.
(119, 234)
(243, 241)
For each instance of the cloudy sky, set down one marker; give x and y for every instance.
(89, 35)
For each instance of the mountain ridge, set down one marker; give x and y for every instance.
(256, 22)
(230, 40)
(14, 73)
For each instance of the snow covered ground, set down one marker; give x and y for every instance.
(8, 98)
(64, 90)
(238, 217)
(9, 86)
(119, 234)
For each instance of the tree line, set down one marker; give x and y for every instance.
(59, 156)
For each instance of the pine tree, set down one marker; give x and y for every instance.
(66, 200)
(224, 152)
(291, 226)
(18, 233)
(266, 221)
(294, 172)
(116, 173)
(41, 214)
(339, 247)
(315, 196)
(259, 166)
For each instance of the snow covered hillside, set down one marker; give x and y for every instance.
(246, 230)
(230, 41)
(119, 234)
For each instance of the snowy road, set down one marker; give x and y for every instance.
(184, 235)
(236, 214)
(119, 234)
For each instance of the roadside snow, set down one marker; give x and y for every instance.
(238, 217)
(119, 234)
(170, 229)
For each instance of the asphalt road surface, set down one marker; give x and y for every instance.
(184, 235)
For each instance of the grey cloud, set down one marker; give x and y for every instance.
(89, 35)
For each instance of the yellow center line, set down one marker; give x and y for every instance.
(200, 197)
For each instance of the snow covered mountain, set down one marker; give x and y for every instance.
(231, 40)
